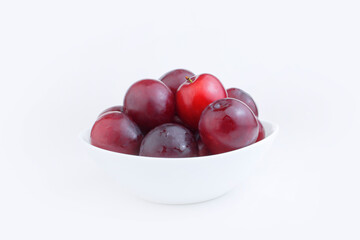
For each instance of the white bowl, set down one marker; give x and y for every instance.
(182, 180)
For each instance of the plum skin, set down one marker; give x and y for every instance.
(228, 124)
(149, 103)
(244, 97)
(169, 140)
(114, 131)
(175, 78)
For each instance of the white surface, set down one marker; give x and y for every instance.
(63, 62)
(182, 180)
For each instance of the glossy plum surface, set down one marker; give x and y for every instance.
(117, 108)
(175, 78)
(116, 132)
(150, 103)
(244, 97)
(194, 96)
(228, 124)
(169, 140)
(261, 135)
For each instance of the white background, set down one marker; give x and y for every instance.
(62, 62)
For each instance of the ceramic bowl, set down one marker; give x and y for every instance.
(182, 180)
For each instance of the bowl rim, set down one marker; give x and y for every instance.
(85, 138)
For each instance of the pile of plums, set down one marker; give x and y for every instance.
(180, 115)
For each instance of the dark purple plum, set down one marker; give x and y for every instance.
(116, 132)
(228, 124)
(169, 140)
(244, 97)
(149, 103)
(175, 78)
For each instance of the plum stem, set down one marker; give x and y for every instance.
(187, 78)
